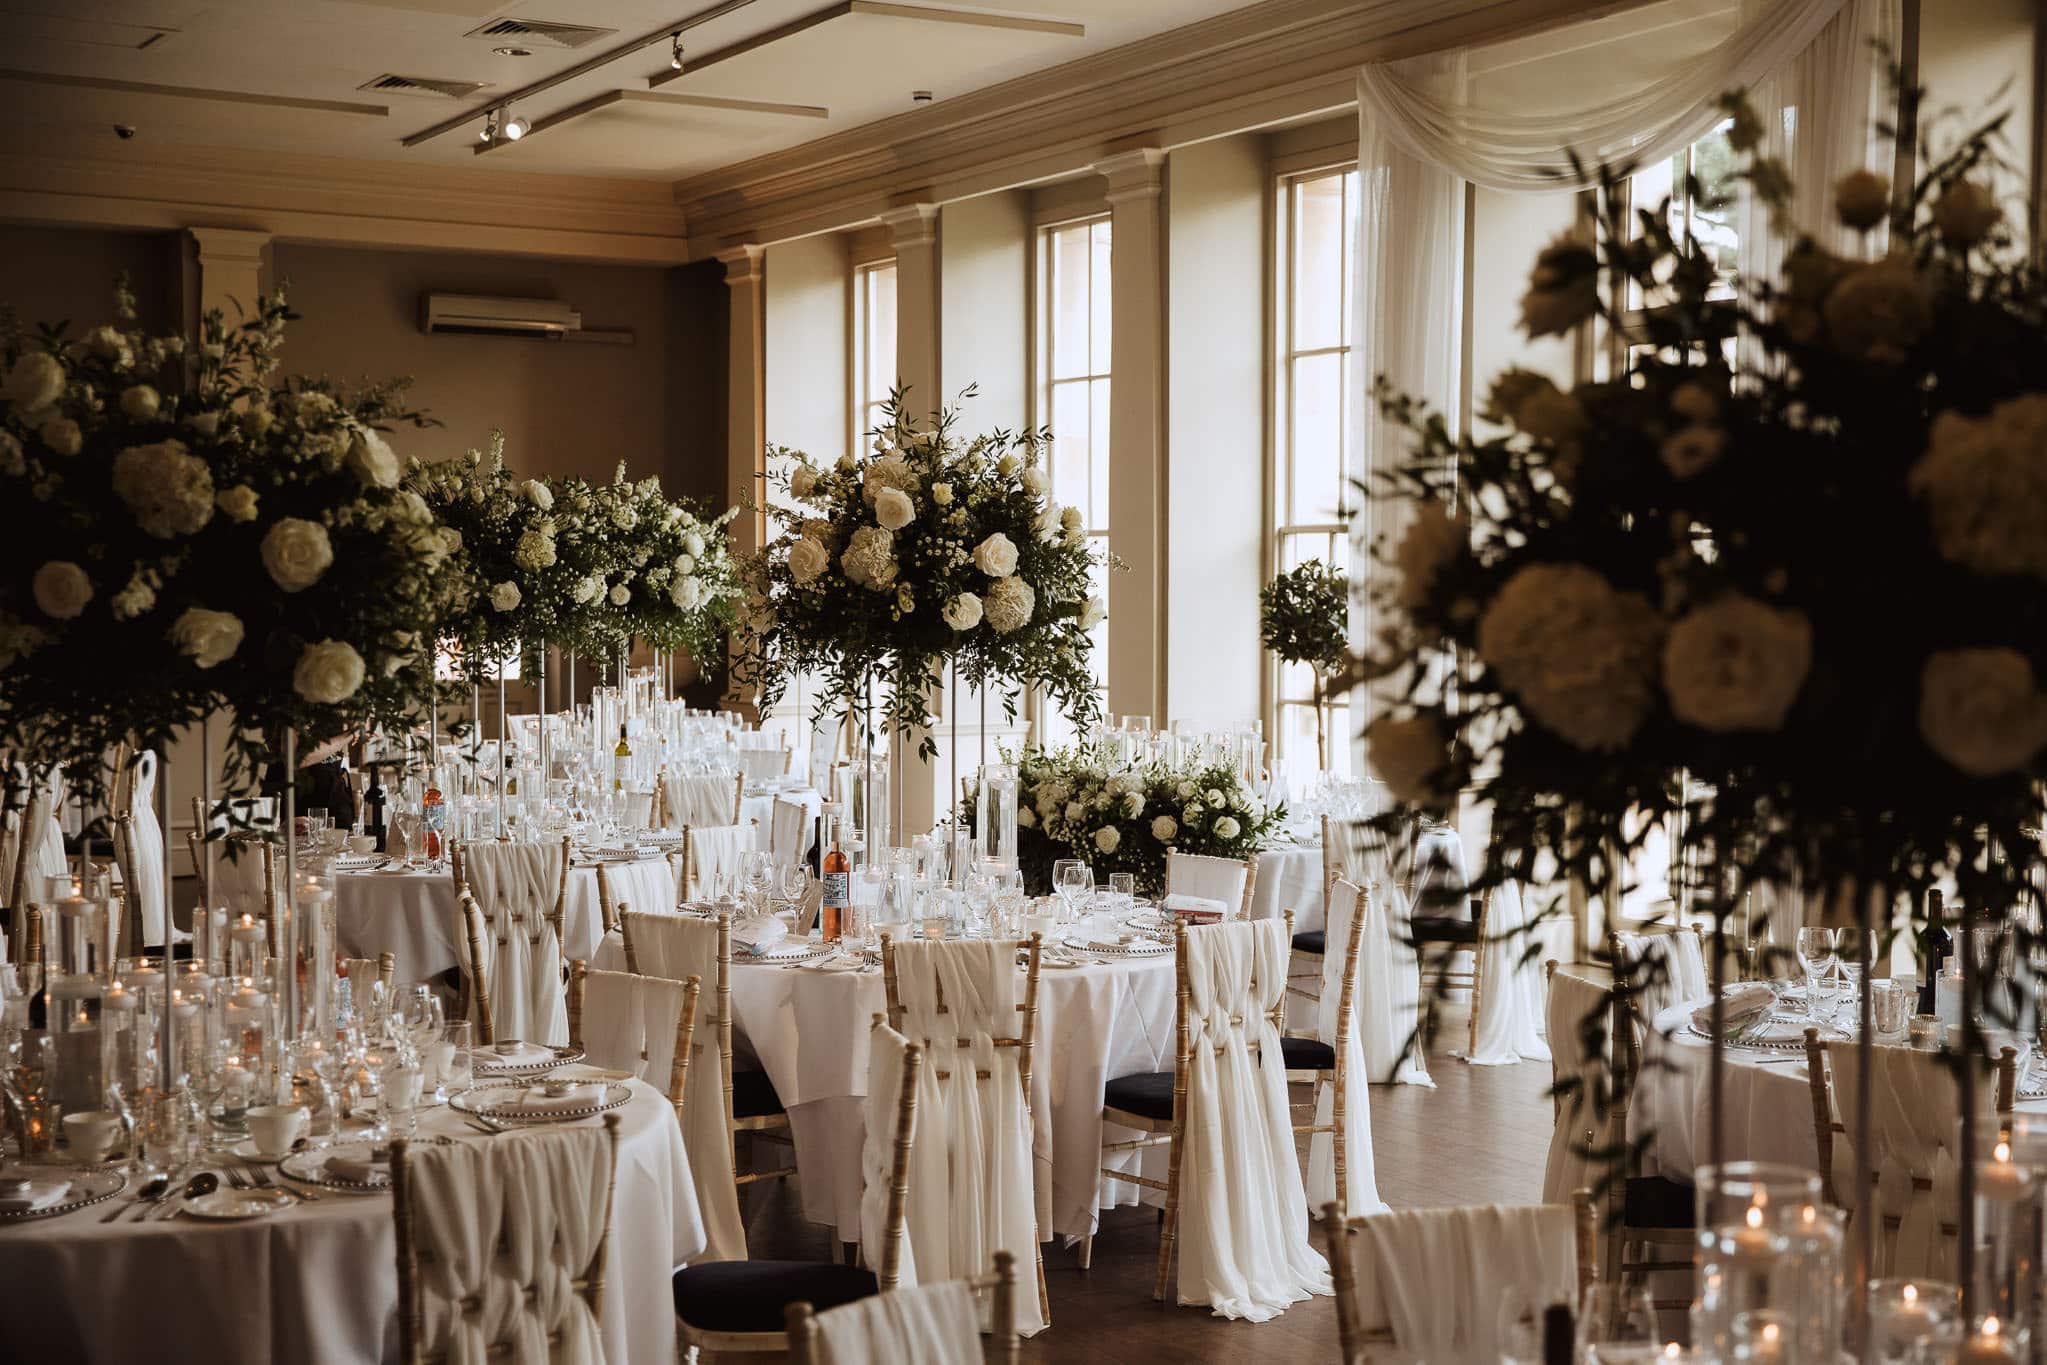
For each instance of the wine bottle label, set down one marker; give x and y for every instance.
(837, 888)
(434, 817)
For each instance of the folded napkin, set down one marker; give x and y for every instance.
(1198, 904)
(1742, 1008)
(360, 1170)
(41, 1194)
(758, 935)
(537, 1100)
(526, 1054)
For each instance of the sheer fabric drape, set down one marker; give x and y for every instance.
(630, 1024)
(1510, 1000)
(929, 1325)
(1435, 1277)
(1361, 1180)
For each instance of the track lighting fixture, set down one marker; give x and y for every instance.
(675, 51)
(515, 127)
(490, 127)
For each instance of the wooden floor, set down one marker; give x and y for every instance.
(1480, 1137)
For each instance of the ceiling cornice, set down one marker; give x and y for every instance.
(1268, 63)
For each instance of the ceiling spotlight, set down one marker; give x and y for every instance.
(513, 51)
(490, 127)
(515, 128)
(920, 97)
(675, 51)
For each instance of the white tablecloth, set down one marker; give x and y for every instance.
(808, 1030)
(317, 1283)
(412, 914)
(1290, 878)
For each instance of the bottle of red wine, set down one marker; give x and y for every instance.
(373, 809)
(1936, 945)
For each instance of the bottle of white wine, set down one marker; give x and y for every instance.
(622, 758)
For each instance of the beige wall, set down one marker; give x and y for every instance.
(68, 274)
(1975, 60)
(984, 330)
(806, 337)
(1507, 232)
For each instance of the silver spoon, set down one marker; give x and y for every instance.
(206, 1182)
(150, 1192)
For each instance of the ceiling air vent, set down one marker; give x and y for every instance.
(427, 87)
(540, 31)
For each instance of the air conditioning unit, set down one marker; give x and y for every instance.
(480, 316)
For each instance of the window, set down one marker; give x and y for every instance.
(1703, 196)
(874, 345)
(1073, 396)
(1314, 457)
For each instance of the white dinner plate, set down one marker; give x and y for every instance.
(229, 1206)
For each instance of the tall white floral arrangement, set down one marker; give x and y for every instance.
(674, 582)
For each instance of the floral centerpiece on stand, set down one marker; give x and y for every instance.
(1075, 803)
(932, 550)
(675, 584)
(1303, 618)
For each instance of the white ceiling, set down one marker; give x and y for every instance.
(857, 66)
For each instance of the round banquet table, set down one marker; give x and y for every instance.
(412, 915)
(808, 1029)
(1768, 1100)
(318, 1282)
(1290, 878)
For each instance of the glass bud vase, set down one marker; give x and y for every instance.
(1770, 1268)
(995, 813)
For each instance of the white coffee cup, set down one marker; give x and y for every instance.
(276, 1126)
(362, 845)
(91, 1133)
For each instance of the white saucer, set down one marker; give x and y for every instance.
(246, 1150)
(235, 1205)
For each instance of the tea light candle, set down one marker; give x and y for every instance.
(1749, 1239)
(2001, 1179)
(1906, 1318)
(245, 1016)
(1988, 1345)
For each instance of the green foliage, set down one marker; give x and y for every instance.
(1303, 615)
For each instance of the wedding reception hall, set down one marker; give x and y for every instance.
(912, 682)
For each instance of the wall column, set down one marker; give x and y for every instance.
(234, 266)
(746, 418)
(913, 229)
(1137, 437)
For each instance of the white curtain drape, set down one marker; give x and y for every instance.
(1510, 999)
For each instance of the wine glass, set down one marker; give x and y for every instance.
(1815, 951)
(792, 883)
(980, 894)
(1615, 1316)
(419, 1016)
(408, 823)
(1852, 950)
(1074, 880)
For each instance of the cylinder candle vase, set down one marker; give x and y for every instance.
(1769, 1258)
(995, 813)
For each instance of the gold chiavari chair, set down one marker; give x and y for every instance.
(475, 978)
(1649, 1220)
(462, 857)
(1318, 1063)
(805, 1335)
(1466, 1299)
(741, 1306)
(582, 981)
(517, 1167)
(1201, 868)
(1313, 943)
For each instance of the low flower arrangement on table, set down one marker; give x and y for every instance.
(1071, 803)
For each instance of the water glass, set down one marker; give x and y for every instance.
(458, 1065)
(1616, 1324)
(1815, 951)
(400, 1088)
(1891, 1004)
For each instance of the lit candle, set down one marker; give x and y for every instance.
(245, 1015)
(1989, 1345)
(2001, 1179)
(1749, 1239)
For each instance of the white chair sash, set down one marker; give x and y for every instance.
(629, 1024)
(702, 798)
(1572, 1001)
(1683, 977)
(760, 765)
(1361, 1181)
(715, 852)
(678, 947)
(932, 1324)
(1243, 1212)
(1510, 1004)
(1389, 994)
(928, 1163)
(789, 835)
(980, 1125)
(1914, 1122)
(1215, 879)
(508, 1227)
(1435, 1277)
(516, 886)
(147, 833)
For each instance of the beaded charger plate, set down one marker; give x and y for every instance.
(484, 1062)
(87, 1187)
(506, 1104)
(1766, 1040)
(1137, 950)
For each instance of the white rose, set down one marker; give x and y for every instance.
(941, 493)
(1164, 828)
(140, 402)
(1184, 790)
(539, 494)
(1984, 484)
(1034, 481)
(620, 594)
(1225, 827)
(136, 597)
(1133, 805)
(1074, 811)
(1008, 465)
(1047, 524)
(802, 481)
(61, 589)
(62, 436)
(962, 612)
(108, 344)
(807, 559)
(1965, 212)
(1580, 656)
(1879, 310)
(1108, 838)
(1736, 665)
(893, 509)
(209, 637)
(1008, 605)
(169, 490)
(685, 563)
(1862, 199)
(1982, 711)
(1433, 541)
(996, 556)
(906, 601)
(328, 672)
(693, 544)
(504, 596)
(1093, 612)
(205, 423)
(1410, 757)
(687, 593)
(296, 552)
(372, 460)
(1071, 519)
(587, 590)
(1191, 813)
(1026, 817)
(237, 503)
(35, 382)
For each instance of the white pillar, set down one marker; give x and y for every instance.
(234, 265)
(745, 409)
(1137, 439)
(913, 229)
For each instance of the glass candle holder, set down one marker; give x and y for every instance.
(995, 813)
(1906, 1316)
(2010, 1229)
(1769, 1264)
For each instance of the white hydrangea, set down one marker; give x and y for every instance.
(1736, 665)
(62, 436)
(535, 551)
(237, 503)
(1009, 604)
(1579, 655)
(620, 594)
(504, 596)
(870, 559)
(169, 490)
(1164, 828)
(963, 612)
(807, 559)
(692, 544)
(1982, 711)
(889, 471)
(1984, 483)
(687, 593)
(328, 672)
(61, 589)
(140, 402)
(1409, 754)
(34, 382)
(1434, 539)
(296, 553)
(996, 556)
(109, 345)
(1879, 310)
(207, 637)
(893, 509)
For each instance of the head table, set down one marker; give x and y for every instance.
(808, 1027)
(317, 1282)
